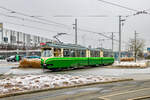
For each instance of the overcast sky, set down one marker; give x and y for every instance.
(80, 9)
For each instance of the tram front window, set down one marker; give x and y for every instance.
(46, 53)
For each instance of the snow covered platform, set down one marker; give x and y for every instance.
(142, 64)
(27, 83)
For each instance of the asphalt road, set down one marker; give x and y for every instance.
(6, 66)
(140, 88)
(113, 91)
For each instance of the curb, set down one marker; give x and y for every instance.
(139, 98)
(57, 88)
(128, 67)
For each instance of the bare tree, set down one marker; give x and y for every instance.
(137, 47)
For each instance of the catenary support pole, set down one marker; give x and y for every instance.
(112, 44)
(119, 38)
(1, 31)
(75, 27)
(135, 51)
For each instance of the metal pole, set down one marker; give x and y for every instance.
(1, 29)
(76, 40)
(119, 38)
(135, 47)
(11, 37)
(24, 40)
(17, 38)
(112, 44)
(17, 42)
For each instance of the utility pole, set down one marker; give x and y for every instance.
(112, 44)
(119, 38)
(1, 31)
(11, 37)
(135, 51)
(120, 24)
(75, 28)
(18, 42)
(23, 40)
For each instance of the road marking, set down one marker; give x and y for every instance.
(104, 97)
(139, 98)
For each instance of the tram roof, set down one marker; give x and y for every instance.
(68, 46)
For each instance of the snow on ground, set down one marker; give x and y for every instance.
(141, 64)
(24, 71)
(35, 82)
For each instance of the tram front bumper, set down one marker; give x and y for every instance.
(44, 66)
(47, 66)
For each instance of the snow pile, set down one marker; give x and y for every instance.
(35, 82)
(128, 59)
(131, 64)
(30, 63)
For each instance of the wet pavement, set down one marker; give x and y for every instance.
(136, 73)
(7, 66)
(111, 91)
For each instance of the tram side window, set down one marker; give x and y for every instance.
(92, 53)
(83, 53)
(78, 53)
(72, 53)
(57, 52)
(66, 53)
(46, 53)
(97, 54)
